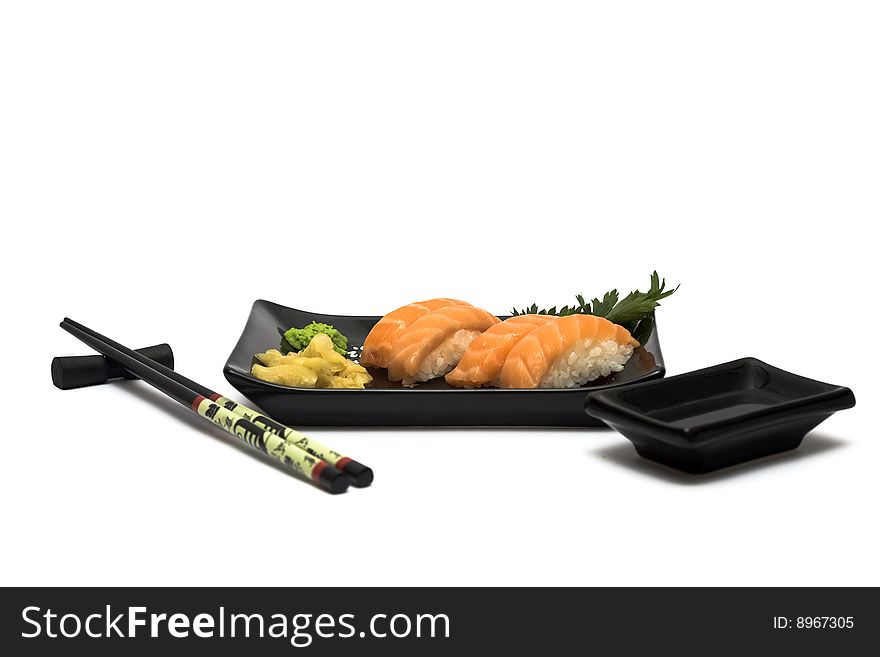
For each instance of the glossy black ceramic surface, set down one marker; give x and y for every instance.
(719, 416)
(387, 403)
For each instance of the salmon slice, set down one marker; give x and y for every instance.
(377, 346)
(434, 343)
(482, 362)
(566, 353)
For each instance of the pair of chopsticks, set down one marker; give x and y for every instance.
(325, 467)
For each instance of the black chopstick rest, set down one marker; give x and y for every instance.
(69, 372)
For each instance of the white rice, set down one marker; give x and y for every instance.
(586, 362)
(444, 358)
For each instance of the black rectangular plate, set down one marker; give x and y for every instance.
(719, 416)
(387, 403)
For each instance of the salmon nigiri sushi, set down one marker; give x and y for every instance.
(434, 343)
(377, 346)
(567, 353)
(481, 363)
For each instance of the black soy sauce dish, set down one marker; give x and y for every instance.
(719, 416)
(388, 403)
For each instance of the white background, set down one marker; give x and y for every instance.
(166, 163)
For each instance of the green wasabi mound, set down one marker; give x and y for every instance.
(297, 339)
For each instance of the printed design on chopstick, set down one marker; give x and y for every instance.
(292, 436)
(238, 426)
(268, 424)
(279, 451)
(234, 406)
(303, 443)
(266, 441)
(312, 446)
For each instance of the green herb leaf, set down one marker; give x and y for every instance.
(634, 307)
